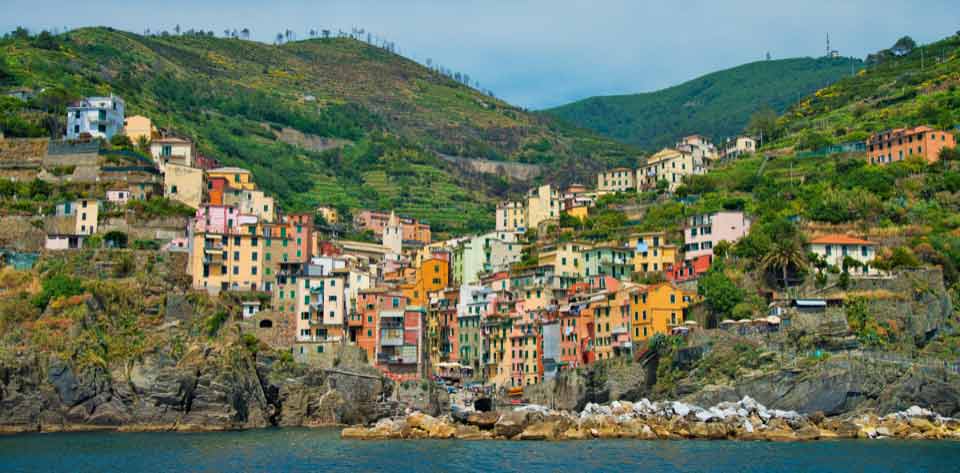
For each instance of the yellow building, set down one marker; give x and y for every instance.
(668, 165)
(329, 214)
(137, 127)
(566, 259)
(231, 261)
(657, 309)
(543, 203)
(511, 217)
(433, 275)
(653, 253)
(183, 184)
(579, 212)
(237, 178)
(616, 180)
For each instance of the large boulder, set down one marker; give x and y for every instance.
(511, 423)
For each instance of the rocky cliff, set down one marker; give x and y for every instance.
(212, 388)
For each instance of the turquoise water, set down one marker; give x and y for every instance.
(297, 450)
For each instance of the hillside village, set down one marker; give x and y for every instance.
(535, 296)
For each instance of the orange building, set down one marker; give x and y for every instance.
(432, 276)
(899, 144)
(365, 323)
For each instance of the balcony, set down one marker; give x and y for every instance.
(355, 320)
(391, 337)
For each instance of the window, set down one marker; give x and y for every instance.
(236, 240)
(254, 256)
(253, 270)
(236, 255)
(236, 270)
(173, 189)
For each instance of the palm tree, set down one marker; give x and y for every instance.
(783, 255)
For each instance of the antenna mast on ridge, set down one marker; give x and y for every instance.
(828, 45)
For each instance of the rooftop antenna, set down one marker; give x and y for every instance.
(828, 44)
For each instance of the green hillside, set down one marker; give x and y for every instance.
(234, 97)
(919, 87)
(716, 105)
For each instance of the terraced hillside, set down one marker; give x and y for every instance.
(239, 99)
(921, 87)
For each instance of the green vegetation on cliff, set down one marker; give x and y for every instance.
(716, 105)
(318, 122)
(919, 87)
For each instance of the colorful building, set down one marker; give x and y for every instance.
(658, 309)
(375, 221)
(183, 184)
(543, 203)
(138, 127)
(653, 253)
(608, 260)
(703, 232)
(225, 250)
(511, 217)
(669, 165)
(95, 117)
(237, 178)
(616, 180)
(899, 144)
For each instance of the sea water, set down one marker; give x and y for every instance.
(303, 450)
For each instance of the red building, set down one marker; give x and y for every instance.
(691, 269)
(215, 189)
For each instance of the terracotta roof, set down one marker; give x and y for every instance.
(837, 239)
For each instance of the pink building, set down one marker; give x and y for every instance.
(222, 219)
(702, 232)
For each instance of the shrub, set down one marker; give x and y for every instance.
(55, 287)
(213, 323)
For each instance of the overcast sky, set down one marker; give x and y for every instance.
(541, 53)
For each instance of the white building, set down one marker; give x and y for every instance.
(172, 149)
(98, 117)
(739, 146)
(834, 248)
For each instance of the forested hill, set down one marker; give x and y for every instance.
(716, 105)
(266, 107)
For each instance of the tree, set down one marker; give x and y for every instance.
(763, 123)
(246, 33)
(903, 46)
(279, 38)
(784, 255)
(121, 140)
(21, 33)
(720, 294)
(45, 40)
(176, 29)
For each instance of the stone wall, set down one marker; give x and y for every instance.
(518, 171)
(19, 233)
(156, 229)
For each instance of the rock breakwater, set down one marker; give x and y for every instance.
(742, 420)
